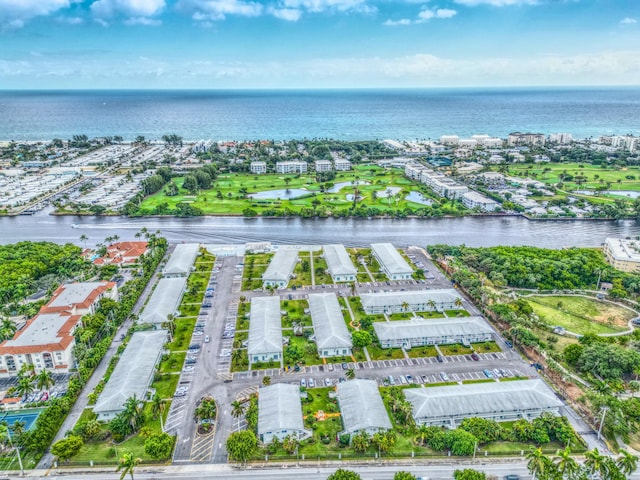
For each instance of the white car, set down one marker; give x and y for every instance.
(188, 369)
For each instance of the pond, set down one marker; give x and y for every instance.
(280, 194)
(339, 186)
(621, 193)
(417, 197)
(388, 192)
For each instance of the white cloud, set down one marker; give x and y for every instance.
(206, 10)
(325, 5)
(129, 8)
(289, 14)
(496, 3)
(71, 20)
(424, 16)
(14, 13)
(150, 22)
(628, 21)
(395, 23)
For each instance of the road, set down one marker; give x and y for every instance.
(433, 470)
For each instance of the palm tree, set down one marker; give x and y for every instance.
(423, 431)
(594, 462)
(405, 306)
(127, 464)
(432, 304)
(627, 463)
(207, 409)
(24, 387)
(83, 239)
(157, 409)
(266, 381)
(237, 409)
(458, 302)
(538, 463)
(44, 380)
(352, 289)
(351, 374)
(133, 412)
(7, 329)
(567, 467)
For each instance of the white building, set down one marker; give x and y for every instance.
(519, 138)
(361, 407)
(165, 300)
(339, 263)
(394, 144)
(411, 301)
(258, 168)
(180, 263)
(474, 200)
(500, 401)
(280, 268)
(323, 165)
(418, 332)
(331, 333)
(449, 139)
(291, 166)
(561, 138)
(265, 331)
(280, 413)
(623, 254)
(342, 165)
(133, 373)
(391, 262)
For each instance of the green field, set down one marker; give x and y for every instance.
(580, 315)
(230, 193)
(591, 177)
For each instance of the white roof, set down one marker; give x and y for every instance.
(279, 408)
(164, 300)
(44, 329)
(361, 406)
(338, 260)
(390, 257)
(382, 299)
(75, 293)
(328, 322)
(624, 250)
(479, 399)
(181, 259)
(134, 371)
(281, 265)
(479, 198)
(265, 330)
(424, 328)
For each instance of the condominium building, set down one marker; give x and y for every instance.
(292, 166)
(258, 168)
(391, 262)
(623, 254)
(323, 165)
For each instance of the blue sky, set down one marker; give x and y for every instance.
(52, 44)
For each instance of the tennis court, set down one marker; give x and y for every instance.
(28, 416)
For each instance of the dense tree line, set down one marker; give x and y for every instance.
(541, 268)
(23, 264)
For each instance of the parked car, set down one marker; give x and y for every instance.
(311, 383)
(409, 378)
(440, 359)
(487, 373)
(303, 382)
(206, 339)
(475, 356)
(391, 380)
(345, 366)
(327, 382)
(330, 367)
(444, 377)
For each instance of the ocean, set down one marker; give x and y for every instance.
(403, 114)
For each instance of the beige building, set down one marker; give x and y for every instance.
(623, 254)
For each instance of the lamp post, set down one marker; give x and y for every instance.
(604, 413)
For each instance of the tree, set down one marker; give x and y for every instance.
(351, 374)
(402, 475)
(469, 474)
(206, 410)
(190, 184)
(127, 464)
(290, 444)
(44, 380)
(342, 474)
(7, 329)
(361, 338)
(241, 445)
(67, 447)
(159, 446)
(360, 442)
(627, 463)
(538, 463)
(566, 466)
(237, 409)
(266, 380)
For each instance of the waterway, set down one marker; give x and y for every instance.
(472, 231)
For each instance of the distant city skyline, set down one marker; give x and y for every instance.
(222, 44)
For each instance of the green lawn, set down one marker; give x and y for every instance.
(486, 347)
(457, 313)
(377, 353)
(173, 363)
(580, 315)
(166, 386)
(182, 335)
(455, 349)
(426, 351)
(254, 266)
(310, 356)
(321, 270)
(224, 198)
(295, 313)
